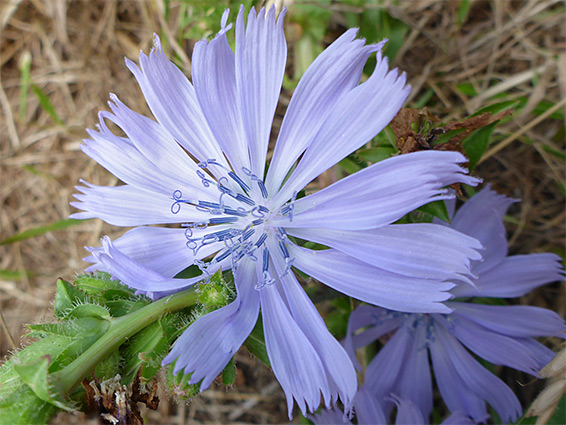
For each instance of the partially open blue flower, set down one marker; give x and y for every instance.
(232, 214)
(503, 335)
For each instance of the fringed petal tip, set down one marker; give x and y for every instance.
(497, 198)
(224, 19)
(470, 180)
(381, 44)
(224, 26)
(156, 43)
(266, 14)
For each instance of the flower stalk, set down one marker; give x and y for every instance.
(121, 328)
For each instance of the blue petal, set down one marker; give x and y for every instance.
(214, 78)
(415, 382)
(355, 119)
(403, 368)
(515, 276)
(155, 144)
(499, 349)
(261, 54)
(371, 284)
(131, 206)
(339, 370)
(329, 417)
(458, 418)
(172, 100)
(122, 158)
(515, 321)
(381, 193)
(133, 274)
(295, 362)
(482, 218)
(362, 317)
(383, 373)
(368, 409)
(208, 344)
(162, 250)
(335, 72)
(407, 412)
(455, 392)
(418, 250)
(385, 323)
(477, 379)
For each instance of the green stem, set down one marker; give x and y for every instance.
(120, 330)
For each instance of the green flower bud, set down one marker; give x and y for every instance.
(216, 293)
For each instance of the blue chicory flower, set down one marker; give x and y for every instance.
(502, 335)
(369, 411)
(234, 211)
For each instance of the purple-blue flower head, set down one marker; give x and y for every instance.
(369, 411)
(233, 215)
(503, 335)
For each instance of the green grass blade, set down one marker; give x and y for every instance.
(25, 81)
(37, 231)
(6, 274)
(46, 104)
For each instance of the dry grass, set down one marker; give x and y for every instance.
(77, 50)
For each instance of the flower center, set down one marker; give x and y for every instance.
(238, 221)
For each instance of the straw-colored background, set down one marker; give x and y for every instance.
(507, 49)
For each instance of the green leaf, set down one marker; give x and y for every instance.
(554, 152)
(88, 331)
(189, 272)
(52, 345)
(559, 417)
(313, 18)
(463, 10)
(436, 209)
(443, 138)
(375, 24)
(422, 101)
(46, 104)
(545, 105)
(229, 373)
(497, 107)
(60, 329)
(476, 144)
(99, 283)
(121, 294)
(467, 88)
(37, 231)
(349, 165)
(396, 38)
(121, 307)
(256, 343)
(489, 301)
(145, 341)
(337, 319)
(23, 407)
(89, 310)
(376, 154)
(66, 297)
(149, 347)
(35, 375)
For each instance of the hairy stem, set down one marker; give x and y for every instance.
(120, 330)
